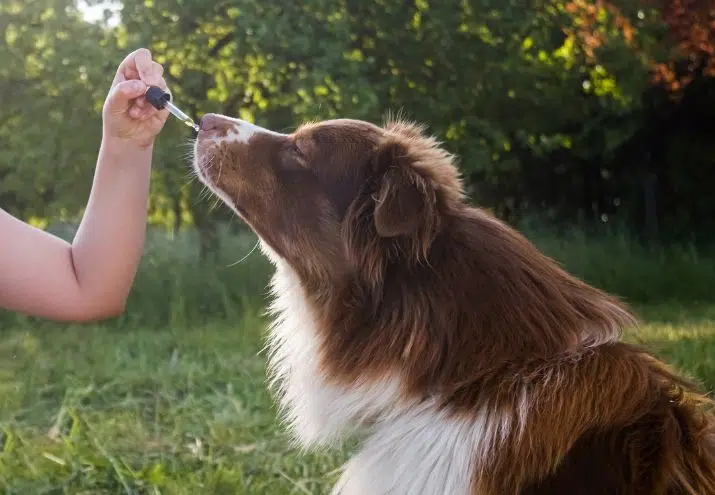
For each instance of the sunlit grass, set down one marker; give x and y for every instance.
(87, 410)
(93, 410)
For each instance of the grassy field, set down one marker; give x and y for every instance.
(170, 398)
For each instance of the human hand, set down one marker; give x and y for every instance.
(127, 116)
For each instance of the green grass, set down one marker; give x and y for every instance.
(171, 397)
(146, 411)
(87, 410)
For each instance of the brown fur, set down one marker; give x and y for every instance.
(403, 276)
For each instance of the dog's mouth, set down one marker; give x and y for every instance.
(205, 160)
(203, 165)
(207, 166)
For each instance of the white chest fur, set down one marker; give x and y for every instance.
(410, 448)
(317, 412)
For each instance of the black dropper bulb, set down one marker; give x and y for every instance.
(157, 97)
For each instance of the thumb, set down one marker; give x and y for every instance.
(121, 96)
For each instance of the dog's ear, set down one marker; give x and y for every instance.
(395, 217)
(405, 201)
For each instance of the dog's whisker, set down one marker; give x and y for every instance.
(245, 257)
(220, 168)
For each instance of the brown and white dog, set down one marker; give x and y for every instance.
(468, 361)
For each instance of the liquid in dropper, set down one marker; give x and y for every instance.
(160, 99)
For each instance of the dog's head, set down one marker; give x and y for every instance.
(335, 196)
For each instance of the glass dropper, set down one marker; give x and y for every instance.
(160, 100)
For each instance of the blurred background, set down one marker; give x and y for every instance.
(587, 124)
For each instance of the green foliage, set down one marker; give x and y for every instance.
(641, 275)
(549, 104)
(54, 72)
(175, 288)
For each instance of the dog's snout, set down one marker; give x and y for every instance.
(213, 122)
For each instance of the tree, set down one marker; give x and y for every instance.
(561, 108)
(54, 72)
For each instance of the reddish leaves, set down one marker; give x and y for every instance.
(690, 25)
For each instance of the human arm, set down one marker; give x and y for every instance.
(90, 279)
(45, 276)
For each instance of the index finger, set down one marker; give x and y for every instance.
(137, 65)
(127, 69)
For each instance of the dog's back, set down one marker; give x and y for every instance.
(643, 431)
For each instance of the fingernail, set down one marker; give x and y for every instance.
(137, 85)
